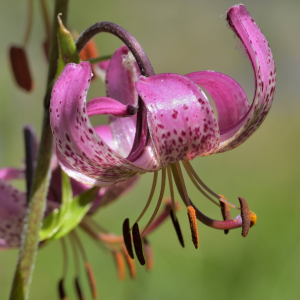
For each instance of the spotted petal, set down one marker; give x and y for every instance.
(77, 141)
(263, 65)
(12, 213)
(106, 195)
(181, 120)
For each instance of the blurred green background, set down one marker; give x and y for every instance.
(181, 37)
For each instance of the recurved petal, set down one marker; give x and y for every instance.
(122, 73)
(181, 120)
(260, 55)
(83, 154)
(230, 99)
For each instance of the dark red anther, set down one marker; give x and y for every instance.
(225, 210)
(177, 228)
(20, 67)
(246, 216)
(78, 289)
(138, 245)
(61, 290)
(127, 237)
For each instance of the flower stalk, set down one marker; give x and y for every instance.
(25, 265)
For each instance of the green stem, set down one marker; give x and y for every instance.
(37, 199)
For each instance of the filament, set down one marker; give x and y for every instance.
(149, 199)
(177, 174)
(162, 190)
(65, 257)
(76, 256)
(171, 192)
(29, 23)
(197, 185)
(192, 171)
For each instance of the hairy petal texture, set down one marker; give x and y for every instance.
(122, 73)
(229, 97)
(79, 146)
(181, 120)
(263, 65)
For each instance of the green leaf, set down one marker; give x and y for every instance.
(67, 48)
(61, 221)
(53, 222)
(77, 210)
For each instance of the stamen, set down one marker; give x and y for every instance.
(127, 237)
(61, 290)
(225, 210)
(138, 245)
(162, 217)
(130, 263)
(177, 228)
(171, 191)
(88, 267)
(65, 257)
(29, 23)
(193, 225)
(246, 216)
(92, 280)
(75, 252)
(149, 254)
(120, 263)
(46, 19)
(78, 289)
(179, 181)
(155, 175)
(192, 171)
(162, 190)
(197, 185)
(230, 224)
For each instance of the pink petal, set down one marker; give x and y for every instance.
(12, 213)
(78, 144)
(122, 73)
(109, 106)
(262, 61)
(11, 173)
(181, 120)
(230, 99)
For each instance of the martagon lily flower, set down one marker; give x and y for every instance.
(175, 122)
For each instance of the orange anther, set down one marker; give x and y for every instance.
(193, 225)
